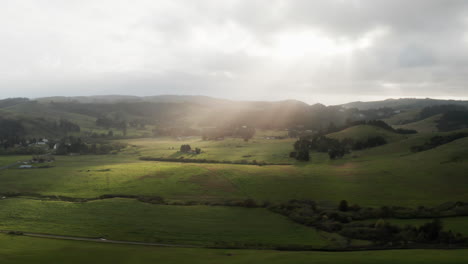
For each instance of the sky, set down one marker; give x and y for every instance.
(330, 51)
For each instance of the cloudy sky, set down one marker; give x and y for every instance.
(330, 51)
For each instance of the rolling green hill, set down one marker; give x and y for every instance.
(202, 200)
(362, 132)
(427, 125)
(130, 220)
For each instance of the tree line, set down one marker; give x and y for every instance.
(334, 147)
(346, 220)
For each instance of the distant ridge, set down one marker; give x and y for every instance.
(397, 104)
(198, 99)
(403, 103)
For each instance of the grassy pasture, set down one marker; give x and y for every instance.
(386, 175)
(231, 149)
(403, 117)
(131, 220)
(21, 250)
(427, 125)
(7, 160)
(362, 132)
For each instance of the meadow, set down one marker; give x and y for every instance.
(385, 175)
(388, 175)
(21, 250)
(131, 220)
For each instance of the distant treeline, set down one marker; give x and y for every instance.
(14, 131)
(453, 117)
(188, 160)
(439, 140)
(76, 145)
(338, 148)
(334, 147)
(215, 133)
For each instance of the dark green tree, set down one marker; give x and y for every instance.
(343, 206)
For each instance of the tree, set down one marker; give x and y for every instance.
(185, 148)
(246, 132)
(343, 206)
(198, 150)
(250, 203)
(302, 147)
(432, 230)
(337, 151)
(303, 155)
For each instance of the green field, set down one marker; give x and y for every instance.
(427, 125)
(21, 250)
(403, 117)
(389, 175)
(386, 175)
(230, 149)
(131, 220)
(7, 160)
(363, 132)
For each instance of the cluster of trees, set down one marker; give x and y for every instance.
(453, 116)
(436, 141)
(334, 147)
(117, 123)
(68, 145)
(302, 148)
(139, 123)
(439, 109)
(344, 219)
(453, 120)
(11, 133)
(109, 134)
(182, 159)
(67, 126)
(13, 139)
(338, 148)
(370, 142)
(383, 232)
(186, 148)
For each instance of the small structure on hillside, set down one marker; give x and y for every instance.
(25, 166)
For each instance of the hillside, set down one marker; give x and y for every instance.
(403, 103)
(427, 125)
(150, 190)
(362, 132)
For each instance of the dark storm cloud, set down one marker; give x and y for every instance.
(309, 50)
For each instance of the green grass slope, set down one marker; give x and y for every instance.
(22, 250)
(403, 117)
(387, 175)
(362, 132)
(131, 220)
(230, 149)
(427, 125)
